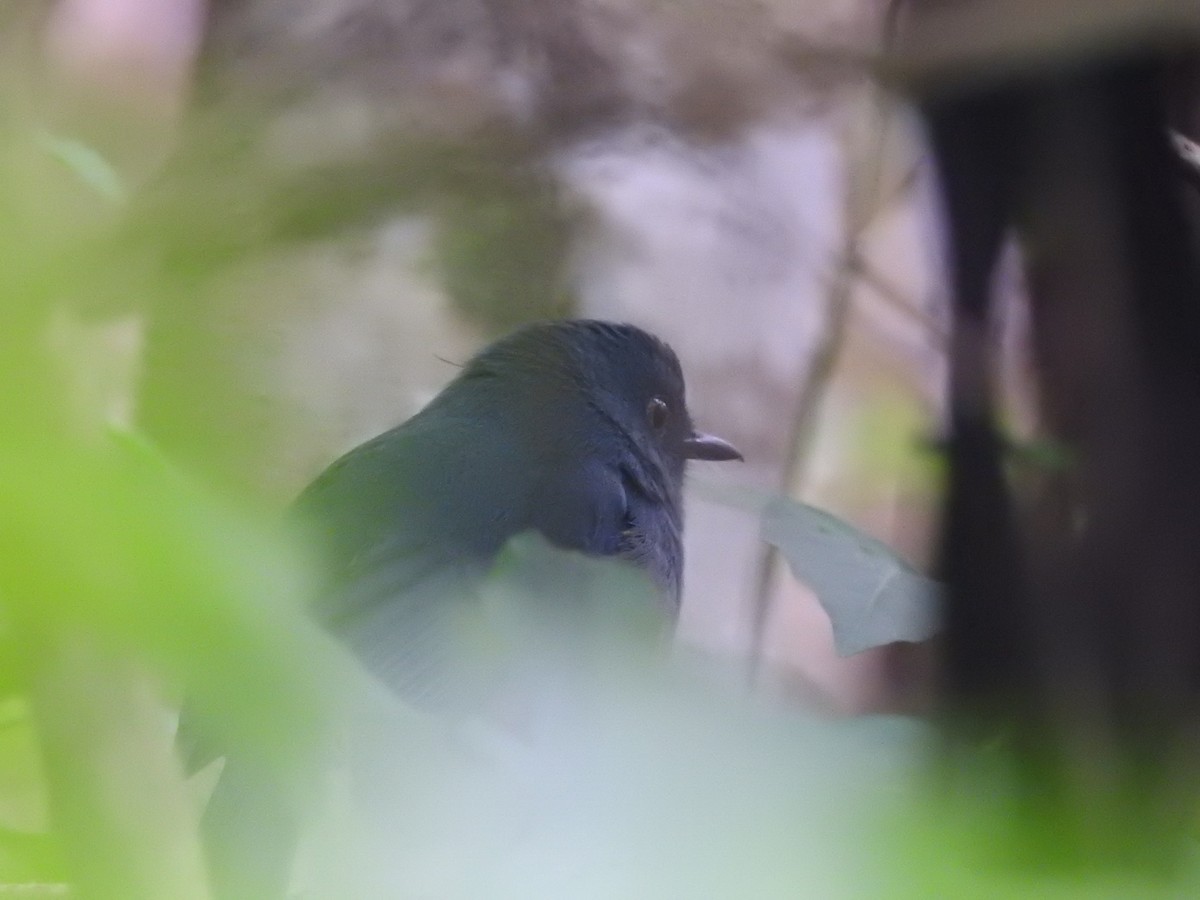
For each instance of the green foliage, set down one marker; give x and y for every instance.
(124, 584)
(885, 448)
(89, 166)
(110, 551)
(118, 544)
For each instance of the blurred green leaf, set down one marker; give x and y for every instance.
(1045, 454)
(86, 164)
(32, 858)
(885, 444)
(13, 673)
(122, 576)
(115, 543)
(979, 832)
(871, 595)
(22, 791)
(103, 735)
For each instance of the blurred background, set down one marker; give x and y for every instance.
(260, 232)
(728, 175)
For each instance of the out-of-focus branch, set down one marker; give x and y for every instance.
(953, 47)
(864, 155)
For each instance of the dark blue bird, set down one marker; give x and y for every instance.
(577, 430)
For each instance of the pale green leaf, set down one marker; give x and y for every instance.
(872, 596)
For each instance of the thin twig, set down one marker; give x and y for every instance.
(808, 406)
(863, 184)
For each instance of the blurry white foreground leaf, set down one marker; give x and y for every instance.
(871, 595)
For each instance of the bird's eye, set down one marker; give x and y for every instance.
(657, 412)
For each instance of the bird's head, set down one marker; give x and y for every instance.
(626, 377)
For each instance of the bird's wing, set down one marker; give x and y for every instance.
(407, 602)
(409, 523)
(420, 637)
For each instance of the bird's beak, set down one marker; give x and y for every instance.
(709, 447)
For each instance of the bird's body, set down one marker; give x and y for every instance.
(546, 430)
(576, 430)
